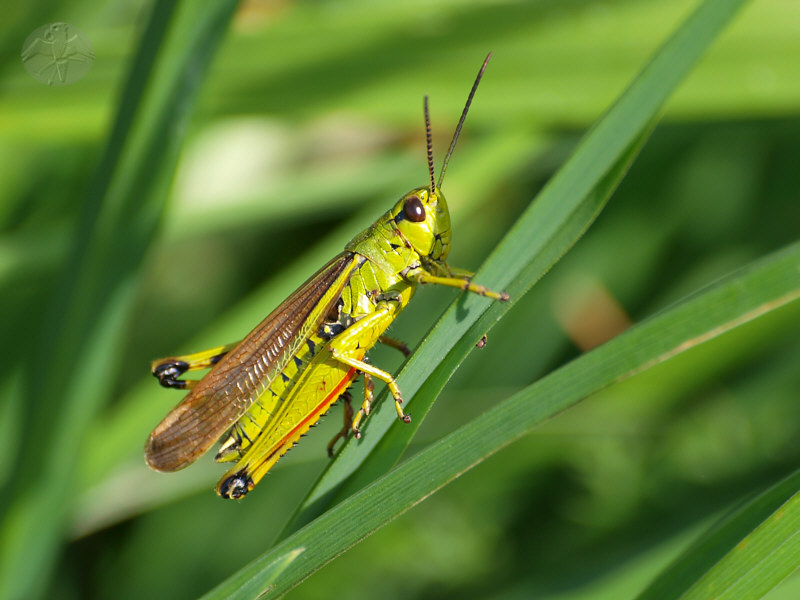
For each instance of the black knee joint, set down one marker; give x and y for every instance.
(168, 372)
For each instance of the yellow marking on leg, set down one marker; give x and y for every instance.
(460, 273)
(460, 283)
(366, 406)
(168, 370)
(363, 334)
(199, 360)
(369, 395)
(366, 368)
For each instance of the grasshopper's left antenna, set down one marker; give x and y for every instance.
(429, 142)
(462, 119)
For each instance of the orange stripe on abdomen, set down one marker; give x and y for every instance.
(285, 442)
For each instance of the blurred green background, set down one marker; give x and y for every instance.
(307, 126)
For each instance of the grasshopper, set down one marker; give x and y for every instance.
(268, 389)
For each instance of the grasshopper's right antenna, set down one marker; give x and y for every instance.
(429, 142)
(462, 119)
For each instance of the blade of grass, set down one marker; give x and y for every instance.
(533, 245)
(743, 556)
(93, 298)
(745, 295)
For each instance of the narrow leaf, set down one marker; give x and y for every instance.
(93, 299)
(744, 556)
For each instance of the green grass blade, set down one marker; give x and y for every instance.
(737, 299)
(532, 246)
(93, 299)
(744, 556)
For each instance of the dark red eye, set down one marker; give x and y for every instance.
(414, 210)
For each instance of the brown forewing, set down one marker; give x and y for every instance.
(230, 388)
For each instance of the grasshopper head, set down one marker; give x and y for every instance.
(423, 219)
(421, 216)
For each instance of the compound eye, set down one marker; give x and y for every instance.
(414, 210)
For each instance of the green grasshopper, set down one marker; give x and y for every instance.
(268, 389)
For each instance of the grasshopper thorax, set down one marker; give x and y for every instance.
(423, 220)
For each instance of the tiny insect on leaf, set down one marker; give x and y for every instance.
(264, 392)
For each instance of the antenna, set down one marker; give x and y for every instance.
(460, 121)
(429, 142)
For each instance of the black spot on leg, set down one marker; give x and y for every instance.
(168, 372)
(236, 486)
(328, 331)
